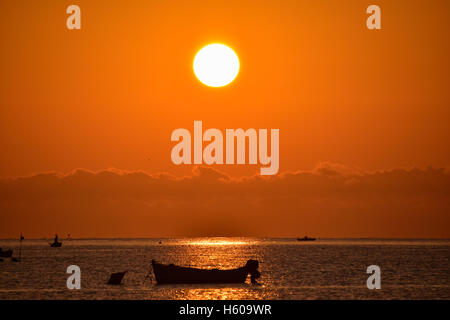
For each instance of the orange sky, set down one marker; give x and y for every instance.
(110, 94)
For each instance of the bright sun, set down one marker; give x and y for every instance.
(216, 65)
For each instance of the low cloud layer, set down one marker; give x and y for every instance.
(331, 200)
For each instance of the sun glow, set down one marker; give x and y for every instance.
(216, 65)
(210, 242)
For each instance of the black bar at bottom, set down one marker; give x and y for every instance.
(225, 309)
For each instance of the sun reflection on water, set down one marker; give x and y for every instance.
(214, 292)
(216, 243)
(211, 253)
(220, 242)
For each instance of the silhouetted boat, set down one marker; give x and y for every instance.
(172, 274)
(55, 244)
(6, 253)
(306, 239)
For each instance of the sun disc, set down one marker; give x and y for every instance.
(216, 65)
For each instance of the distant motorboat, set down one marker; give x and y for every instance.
(56, 244)
(305, 238)
(172, 274)
(6, 253)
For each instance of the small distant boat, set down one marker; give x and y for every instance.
(6, 253)
(305, 238)
(172, 274)
(56, 244)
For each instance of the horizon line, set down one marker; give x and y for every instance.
(250, 237)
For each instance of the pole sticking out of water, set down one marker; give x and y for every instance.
(20, 246)
(13, 259)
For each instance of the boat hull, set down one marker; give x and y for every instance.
(306, 239)
(171, 274)
(55, 244)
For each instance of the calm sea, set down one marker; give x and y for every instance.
(324, 269)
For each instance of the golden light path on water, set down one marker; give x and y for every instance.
(210, 253)
(217, 243)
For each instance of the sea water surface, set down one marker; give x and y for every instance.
(322, 269)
